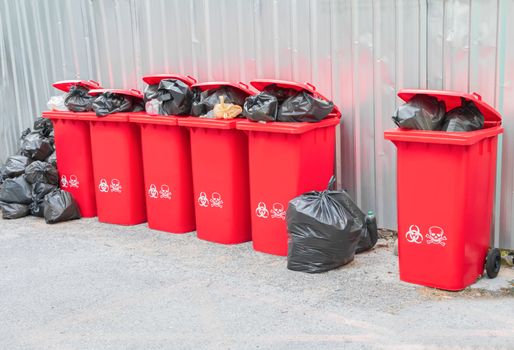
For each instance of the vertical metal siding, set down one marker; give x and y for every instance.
(359, 52)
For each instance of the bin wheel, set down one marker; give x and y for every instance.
(493, 263)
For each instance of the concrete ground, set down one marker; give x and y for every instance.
(86, 285)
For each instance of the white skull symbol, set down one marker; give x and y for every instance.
(115, 186)
(262, 211)
(278, 211)
(64, 181)
(436, 235)
(104, 187)
(152, 192)
(74, 182)
(413, 235)
(203, 200)
(165, 192)
(216, 200)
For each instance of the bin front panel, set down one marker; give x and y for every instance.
(73, 149)
(118, 172)
(168, 178)
(445, 196)
(220, 178)
(283, 166)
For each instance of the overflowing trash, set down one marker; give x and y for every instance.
(27, 179)
(169, 97)
(204, 102)
(78, 99)
(424, 112)
(224, 110)
(60, 206)
(326, 229)
(286, 105)
(56, 103)
(110, 102)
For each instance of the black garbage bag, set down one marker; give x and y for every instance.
(281, 94)
(422, 112)
(78, 99)
(44, 127)
(16, 190)
(151, 92)
(261, 107)
(467, 117)
(303, 107)
(60, 206)
(39, 191)
(176, 97)
(52, 159)
(39, 171)
(322, 233)
(110, 102)
(36, 147)
(15, 166)
(204, 102)
(14, 210)
(25, 133)
(2, 174)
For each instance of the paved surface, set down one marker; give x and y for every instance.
(86, 285)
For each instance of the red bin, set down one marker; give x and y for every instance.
(73, 149)
(220, 175)
(286, 160)
(445, 185)
(118, 166)
(167, 168)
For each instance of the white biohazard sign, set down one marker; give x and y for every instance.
(116, 186)
(436, 235)
(64, 181)
(261, 211)
(103, 186)
(278, 212)
(165, 192)
(152, 191)
(203, 201)
(414, 235)
(74, 182)
(216, 201)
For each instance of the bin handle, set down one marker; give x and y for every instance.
(243, 84)
(193, 79)
(135, 91)
(94, 82)
(477, 96)
(311, 86)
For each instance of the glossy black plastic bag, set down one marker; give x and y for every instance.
(110, 102)
(52, 159)
(14, 210)
(39, 191)
(322, 233)
(60, 206)
(422, 112)
(16, 190)
(176, 97)
(281, 94)
(39, 171)
(78, 99)
(204, 102)
(44, 127)
(464, 118)
(261, 107)
(36, 147)
(15, 166)
(303, 107)
(151, 92)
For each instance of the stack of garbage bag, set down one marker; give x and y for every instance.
(29, 180)
(326, 229)
(222, 103)
(286, 105)
(110, 102)
(169, 97)
(424, 112)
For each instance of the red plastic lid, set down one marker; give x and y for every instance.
(452, 99)
(129, 92)
(286, 127)
(208, 123)
(143, 118)
(261, 84)
(156, 78)
(445, 138)
(217, 84)
(65, 85)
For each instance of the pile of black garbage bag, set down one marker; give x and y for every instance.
(286, 105)
(169, 97)
(326, 229)
(110, 102)
(203, 102)
(424, 112)
(29, 182)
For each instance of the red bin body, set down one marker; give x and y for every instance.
(167, 170)
(445, 184)
(286, 160)
(73, 150)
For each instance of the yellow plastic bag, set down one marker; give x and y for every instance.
(224, 110)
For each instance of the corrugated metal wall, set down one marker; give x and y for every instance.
(359, 52)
